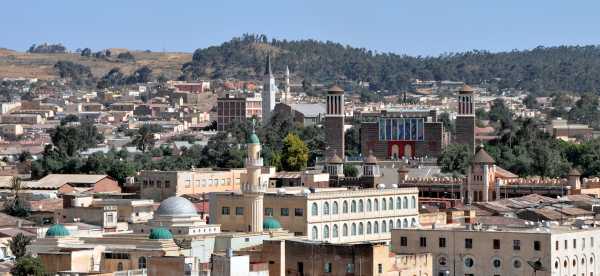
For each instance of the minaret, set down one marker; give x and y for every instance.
(269, 91)
(287, 85)
(253, 189)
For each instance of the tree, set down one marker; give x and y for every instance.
(24, 156)
(294, 156)
(352, 138)
(87, 52)
(531, 102)
(455, 159)
(18, 245)
(350, 171)
(144, 138)
(28, 266)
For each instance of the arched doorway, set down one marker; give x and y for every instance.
(395, 151)
(408, 152)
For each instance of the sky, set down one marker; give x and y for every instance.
(421, 27)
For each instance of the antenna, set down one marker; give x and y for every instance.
(536, 266)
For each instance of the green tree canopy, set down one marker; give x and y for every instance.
(294, 156)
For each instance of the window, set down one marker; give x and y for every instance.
(516, 245)
(298, 212)
(120, 266)
(167, 183)
(376, 227)
(353, 206)
(369, 205)
(349, 268)
(335, 231)
(376, 203)
(413, 202)
(368, 227)
(327, 267)
(556, 245)
(405, 202)
(582, 242)
(398, 203)
(496, 244)
(469, 262)
(239, 211)
(423, 242)
(574, 243)
(405, 223)
(403, 241)
(361, 229)
(566, 244)
(269, 212)
(361, 206)
(334, 210)
(345, 230)
(315, 233)
(353, 230)
(345, 207)
(141, 262)
(383, 205)
(469, 243)
(285, 212)
(326, 232)
(517, 264)
(326, 208)
(380, 268)
(383, 227)
(442, 242)
(391, 203)
(398, 223)
(537, 245)
(496, 263)
(314, 210)
(225, 211)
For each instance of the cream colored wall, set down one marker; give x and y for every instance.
(188, 182)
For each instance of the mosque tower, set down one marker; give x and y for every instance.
(253, 189)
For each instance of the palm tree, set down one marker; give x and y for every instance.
(18, 245)
(15, 186)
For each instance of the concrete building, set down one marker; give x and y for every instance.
(237, 107)
(160, 185)
(562, 129)
(25, 119)
(504, 249)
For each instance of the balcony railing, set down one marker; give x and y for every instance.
(254, 162)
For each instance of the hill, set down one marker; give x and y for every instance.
(20, 64)
(542, 70)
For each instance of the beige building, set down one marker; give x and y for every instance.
(11, 129)
(504, 250)
(26, 119)
(159, 185)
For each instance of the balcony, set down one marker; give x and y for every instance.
(251, 162)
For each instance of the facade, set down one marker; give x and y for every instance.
(504, 250)
(25, 119)
(237, 107)
(403, 134)
(159, 185)
(269, 92)
(334, 122)
(465, 120)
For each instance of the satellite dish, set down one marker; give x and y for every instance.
(536, 265)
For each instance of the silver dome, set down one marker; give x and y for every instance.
(176, 206)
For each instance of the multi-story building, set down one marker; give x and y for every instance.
(159, 185)
(26, 119)
(237, 107)
(548, 250)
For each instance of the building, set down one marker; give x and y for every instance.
(25, 119)
(160, 185)
(70, 183)
(269, 91)
(562, 129)
(304, 114)
(504, 249)
(465, 120)
(334, 122)
(237, 107)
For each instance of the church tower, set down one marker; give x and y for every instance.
(334, 122)
(269, 92)
(253, 187)
(465, 120)
(286, 95)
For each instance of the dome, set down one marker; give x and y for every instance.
(57, 230)
(271, 224)
(176, 206)
(160, 234)
(253, 139)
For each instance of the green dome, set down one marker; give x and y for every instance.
(160, 234)
(57, 230)
(253, 139)
(271, 224)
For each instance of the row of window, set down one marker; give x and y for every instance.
(574, 243)
(188, 183)
(469, 243)
(359, 228)
(349, 268)
(359, 205)
(284, 212)
(574, 263)
(157, 183)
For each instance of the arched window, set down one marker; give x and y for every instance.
(353, 229)
(326, 208)
(391, 225)
(398, 203)
(405, 202)
(376, 227)
(326, 232)
(391, 204)
(376, 204)
(360, 206)
(353, 206)
(369, 206)
(315, 233)
(413, 222)
(345, 230)
(413, 202)
(369, 227)
(334, 211)
(345, 207)
(361, 229)
(141, 262)
(383, 227)
(315, 209)
(398, 223)
(383, 205)
(120, 266)
(405, 223)
(335, 231)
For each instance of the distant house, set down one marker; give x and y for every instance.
(73, 183)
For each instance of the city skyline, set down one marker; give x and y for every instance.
(403, 28)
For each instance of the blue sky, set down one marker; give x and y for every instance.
(420, 27)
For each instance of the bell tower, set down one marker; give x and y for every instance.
(334, 122)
